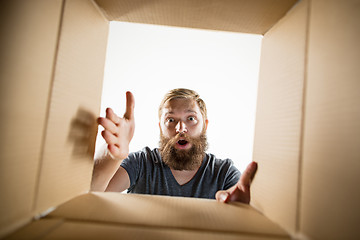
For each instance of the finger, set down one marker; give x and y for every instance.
(130, 105)
(113, 150)
(112, 116)
(108, 125)
(117, 153)
(222, 196)
(247, 176)
(109, 137)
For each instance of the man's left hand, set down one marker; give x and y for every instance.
(241, 191)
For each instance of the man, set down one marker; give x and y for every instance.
(180, 166)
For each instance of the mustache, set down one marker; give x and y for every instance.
(180, 136)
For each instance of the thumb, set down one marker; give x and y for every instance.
(222, 196)
(130, 105)
(247, 177)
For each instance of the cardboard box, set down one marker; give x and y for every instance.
(307, 134)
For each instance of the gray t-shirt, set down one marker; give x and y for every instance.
(150, 175)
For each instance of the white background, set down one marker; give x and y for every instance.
(222, 67)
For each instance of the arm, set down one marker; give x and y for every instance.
(240, 192)
(118, 132)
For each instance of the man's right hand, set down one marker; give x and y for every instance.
(118, 131)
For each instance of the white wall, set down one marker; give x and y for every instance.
(222, 67)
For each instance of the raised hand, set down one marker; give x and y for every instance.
(118, 131)
(240, 192)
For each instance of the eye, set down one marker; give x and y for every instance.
(191, 118)
(170, 120)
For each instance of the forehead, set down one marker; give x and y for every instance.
(180, 105)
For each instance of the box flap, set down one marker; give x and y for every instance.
(256, 16)
(278, 128)
(96, 230)
(167, 212)
(74, 105)
(67, 229)
(330, 193)
(28, 40)
(36, 229)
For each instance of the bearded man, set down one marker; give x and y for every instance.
(180, 166)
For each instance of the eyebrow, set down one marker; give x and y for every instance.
(191, 111)
(188, 111)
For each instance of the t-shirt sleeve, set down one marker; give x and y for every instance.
(232, 176)
(132, 164)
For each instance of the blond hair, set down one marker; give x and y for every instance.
(184, 93)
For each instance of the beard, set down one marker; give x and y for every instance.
(183, 159)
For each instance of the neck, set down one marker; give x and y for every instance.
(183, 176)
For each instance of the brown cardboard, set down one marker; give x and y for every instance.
(36, 229)
(28, 41)
(85, 230)
(111, 215)
(75, 102)
(50, 62)
(307, 129)
(330, 194)
(256, 16)
(97, 230)
(279, 116)
(165, 212)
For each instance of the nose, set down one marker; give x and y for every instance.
(181, 127)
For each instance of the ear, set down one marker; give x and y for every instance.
(206, 124)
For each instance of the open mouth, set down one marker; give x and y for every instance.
(182, 142)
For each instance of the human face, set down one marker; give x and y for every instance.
(181, 115)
